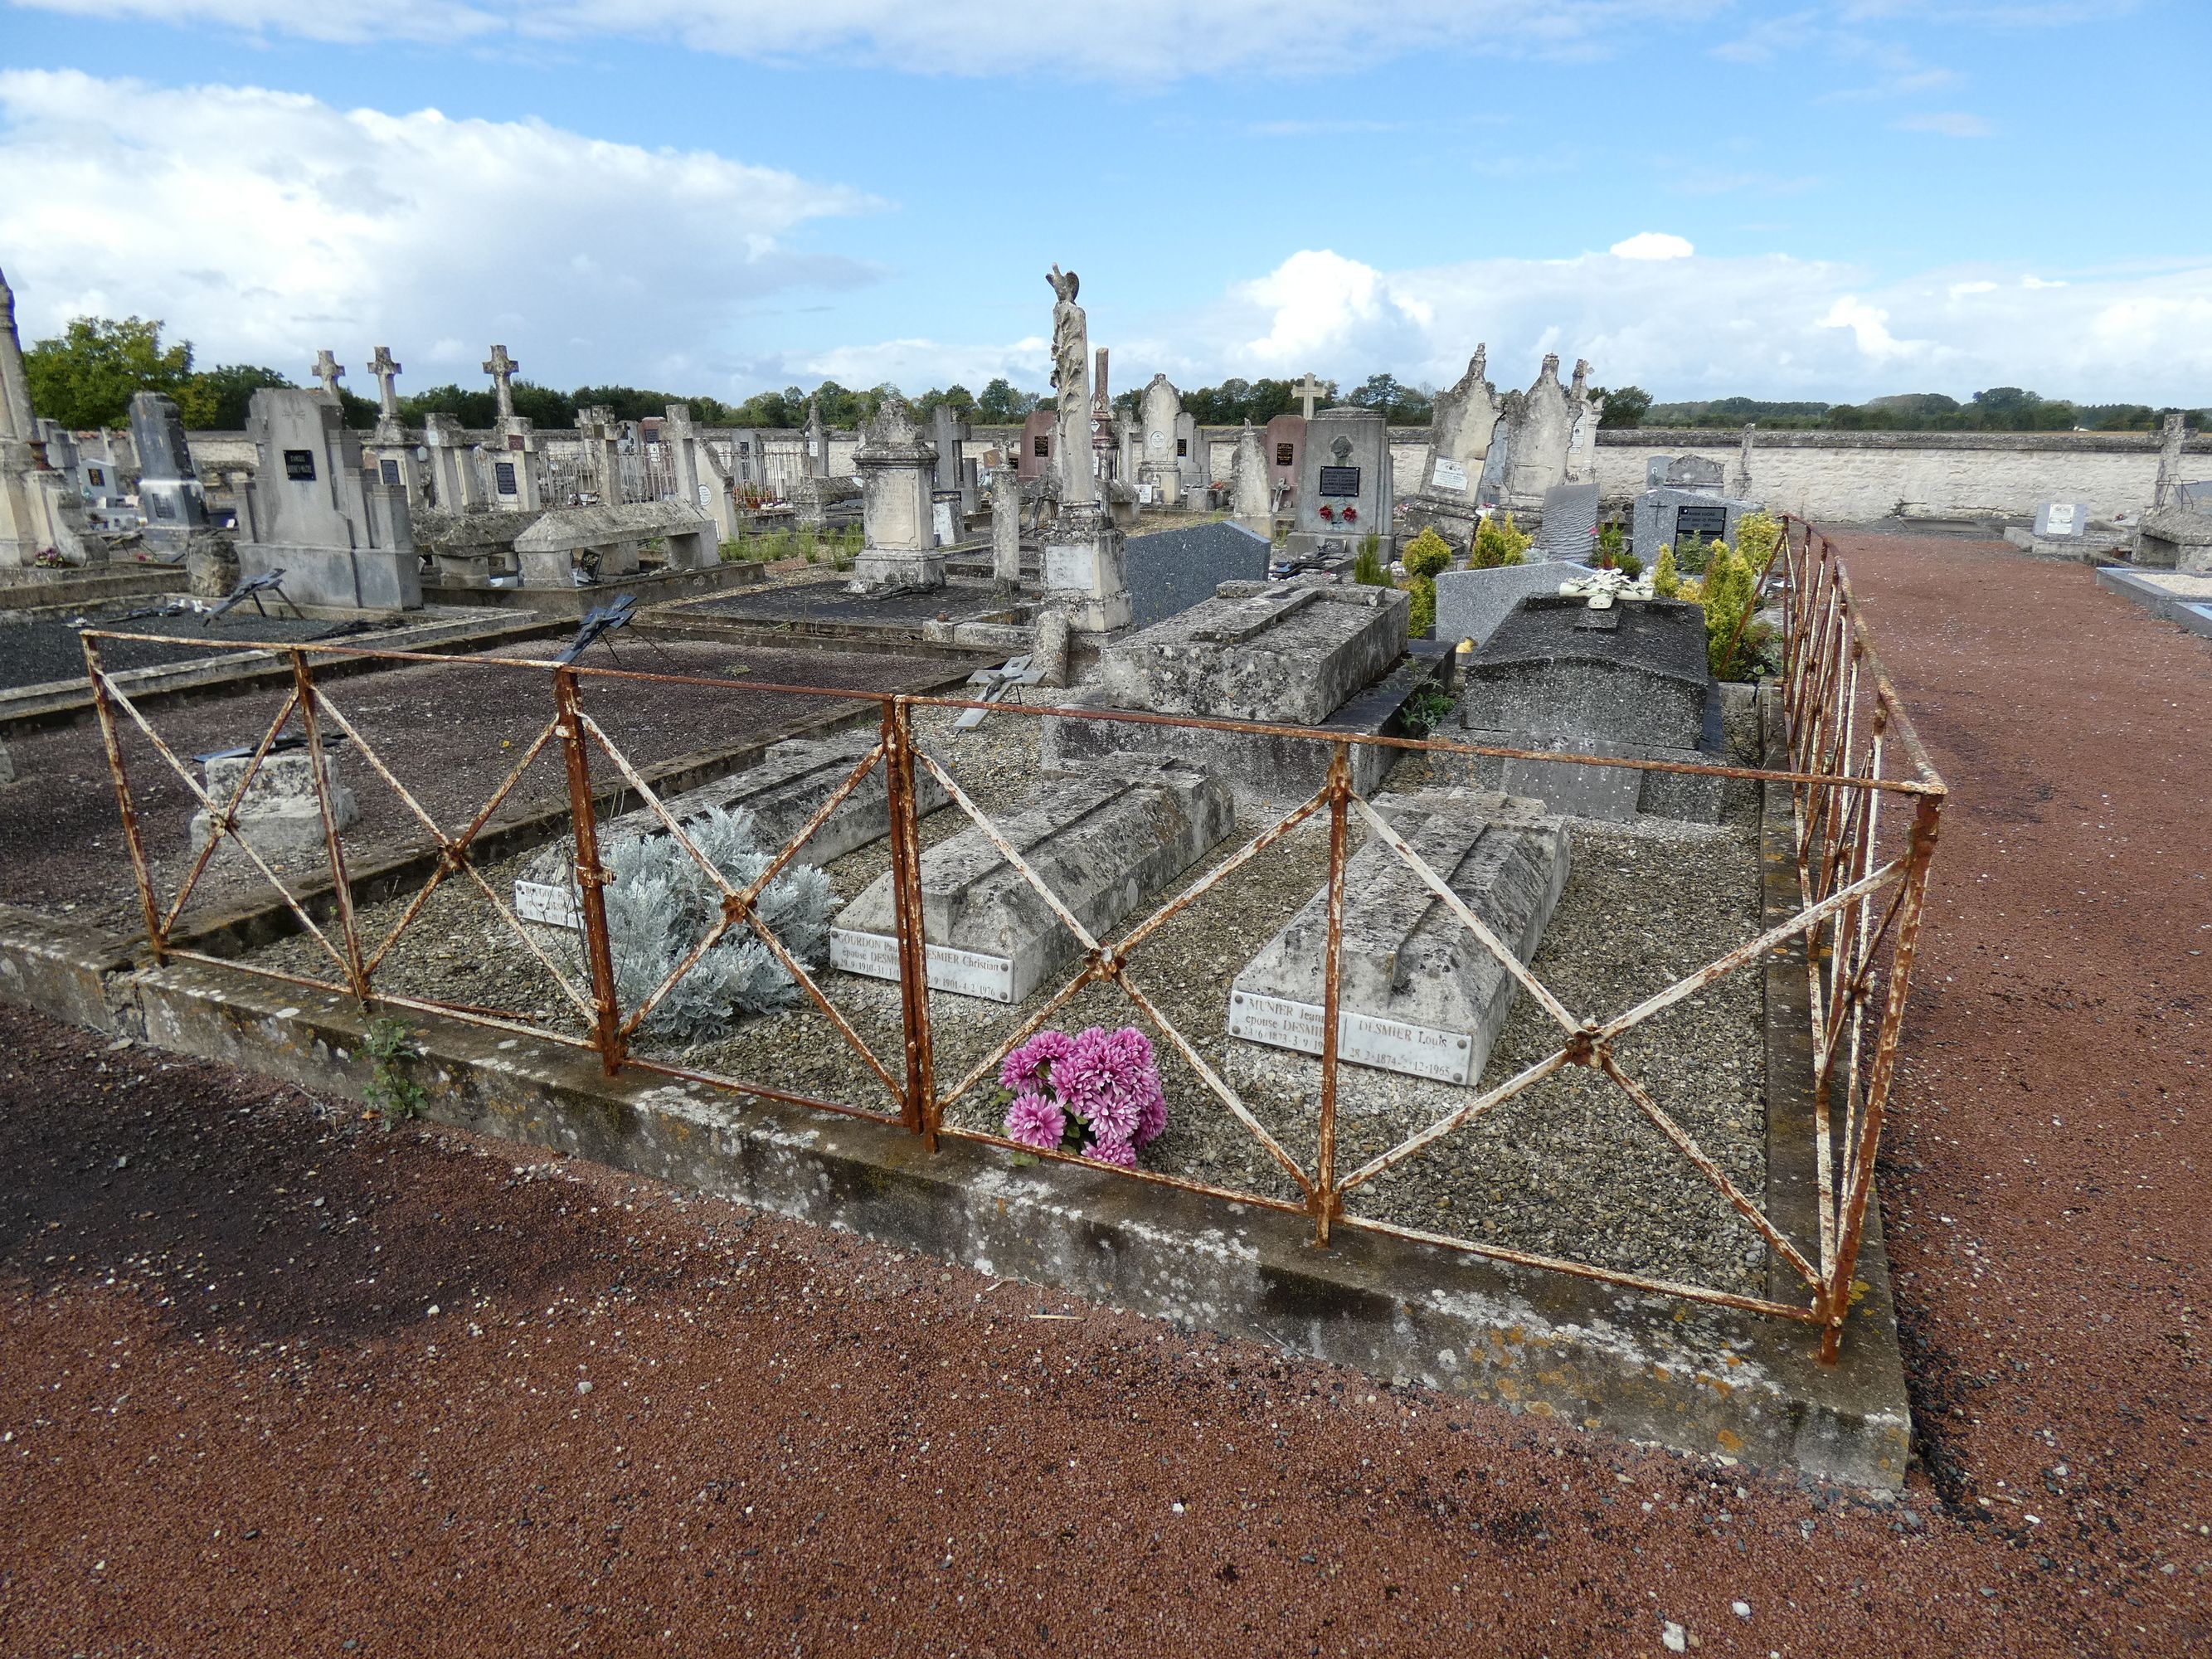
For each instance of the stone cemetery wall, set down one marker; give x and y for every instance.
(1863, 476)
(1846, 476)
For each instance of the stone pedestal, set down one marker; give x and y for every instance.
(1085, 572)
(210, 565)
(280, 816)
(898, 469)
(1006, 527)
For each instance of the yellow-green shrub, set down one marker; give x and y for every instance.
(1666, 584)
(1500, 542)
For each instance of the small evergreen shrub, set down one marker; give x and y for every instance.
(1628, 564)
(1727, 595)
(1500, 542)
(1691, 555)
(1427, 553)
(1665, 582)
(1756, 535)
(660, 903)
(1367, 566)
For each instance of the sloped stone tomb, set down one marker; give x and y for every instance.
(1418, 993)
(1308, 653)
(1629, 680)
(1106, 840)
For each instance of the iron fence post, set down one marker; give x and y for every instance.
(592, 877)
(919, 1108)
(1326, 1198)
(1858, 1173)
(156, 936)
(303, 681)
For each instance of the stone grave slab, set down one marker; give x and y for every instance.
(1470, 603)
(793, 779)
(1292, 652)
(1106, 840)
(1418, 994)
(1568, 527)
(1629, 682)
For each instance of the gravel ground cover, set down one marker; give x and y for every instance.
(37, 652)
(1568, 1168)
(448, 731)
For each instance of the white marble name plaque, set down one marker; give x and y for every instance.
(963, 973)
(942, 522)
(550, 905)
(1363, 1039)
(2058, 519)
(1449, 475)
(1073, 567)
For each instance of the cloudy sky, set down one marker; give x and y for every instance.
(1831, 199)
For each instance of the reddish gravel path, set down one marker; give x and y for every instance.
(234, 1425)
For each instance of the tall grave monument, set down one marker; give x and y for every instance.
(1345, 492)
(169, 497)
(1084, 565)
(313, 510)
(898, 469)
(393, 447)
(516, 483)
(38, 515)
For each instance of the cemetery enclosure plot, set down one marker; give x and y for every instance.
(991, 911)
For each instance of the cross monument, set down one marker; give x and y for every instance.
(1309, 391)
(385, 371)
(327, 370)
(501, 368)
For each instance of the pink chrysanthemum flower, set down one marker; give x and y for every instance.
(1111, 1149)
(1030, 1067)
(1108, 1079)
(1035, 1121)
(1152, 1114)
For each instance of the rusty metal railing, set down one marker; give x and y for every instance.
(1851, 745)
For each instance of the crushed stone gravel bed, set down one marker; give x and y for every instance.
(1568, 1168)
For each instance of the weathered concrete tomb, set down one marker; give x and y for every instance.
(1312, 652)
(1629, 681)
(279, 816)
(1105, 841)
(1418, 993)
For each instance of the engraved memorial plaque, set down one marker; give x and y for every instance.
(299, 464)
(1339, 481)
(502, 474)
(1287, 455)
(548, 904)
(389, 471)
(1393, 1045)
(1697, 523)
(1448, 474)
(963, 973)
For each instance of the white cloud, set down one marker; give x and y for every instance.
(1947, 124)
(266, 225)
(920, 364)
(1130, 40)
(1767, 325)
(1652, 244)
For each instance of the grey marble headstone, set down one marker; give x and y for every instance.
(1470, 603)
(1569, 530)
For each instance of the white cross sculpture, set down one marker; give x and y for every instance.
(386, 371)
(1602, 587)
(327, 370)
(501, 368)
(1309, 391)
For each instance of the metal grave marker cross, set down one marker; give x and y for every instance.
(501, 368)
(1309, 391)
(386, 371)
(328, 369)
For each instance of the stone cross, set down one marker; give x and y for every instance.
(328, 370)
(1309, 391)
(385, 371)
(501, 368)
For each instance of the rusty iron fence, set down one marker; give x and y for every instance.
(1862, 880)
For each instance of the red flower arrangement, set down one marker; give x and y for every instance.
(1327, 512)
(1352, 515)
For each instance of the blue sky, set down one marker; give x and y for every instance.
(1704, 197)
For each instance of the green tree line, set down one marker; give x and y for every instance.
(84, 378)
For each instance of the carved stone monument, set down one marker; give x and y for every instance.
(38, 513)
(1084, 561)
(169, 497)
(340, 535)
(898, 467)
(1345, 490)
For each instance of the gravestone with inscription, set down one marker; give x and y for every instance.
(1418, 994)
(898, 467)
(1284, 443)
(1683, 501)
(1345, 492)
(314, 510)
(169, 494)
(1465, 421)
(1106, 840)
